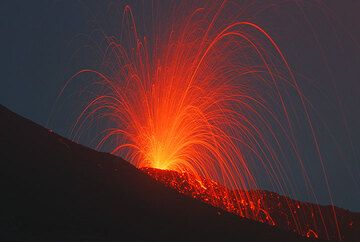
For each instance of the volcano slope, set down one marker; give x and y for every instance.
(55, 190)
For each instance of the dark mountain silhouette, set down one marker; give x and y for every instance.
(55, 190)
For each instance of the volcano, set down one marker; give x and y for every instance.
(56, 190)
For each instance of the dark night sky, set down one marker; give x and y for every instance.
(41, 48)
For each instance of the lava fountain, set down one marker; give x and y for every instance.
(209, 94)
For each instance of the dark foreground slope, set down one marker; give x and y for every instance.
(56, 190)
(308, 219)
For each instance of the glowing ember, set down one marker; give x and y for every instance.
(206, 94)
(212, 193)
(269, 207)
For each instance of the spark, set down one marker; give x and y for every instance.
(206, 95)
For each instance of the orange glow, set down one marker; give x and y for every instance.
(206, 95)
(269, 208)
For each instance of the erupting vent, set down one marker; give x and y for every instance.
(204, 89)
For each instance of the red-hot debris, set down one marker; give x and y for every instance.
(307, 219)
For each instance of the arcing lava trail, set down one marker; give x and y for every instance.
(206, 92)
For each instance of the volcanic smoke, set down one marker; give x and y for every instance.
(208, 97)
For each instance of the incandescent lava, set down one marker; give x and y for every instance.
(269, 207)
